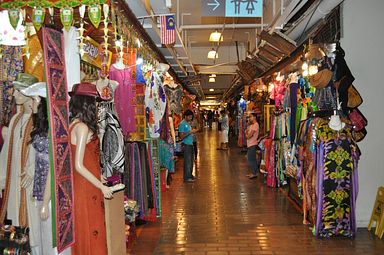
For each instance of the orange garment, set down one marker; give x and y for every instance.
(90, 233)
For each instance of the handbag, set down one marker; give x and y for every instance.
(354, 97)
(358, 120)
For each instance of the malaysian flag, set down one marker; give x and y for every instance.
(168, 29)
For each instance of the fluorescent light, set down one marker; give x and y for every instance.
(212, 79)
(215, 37)
(211, 90)
(212, 54)
(212, 75)
(211, 97)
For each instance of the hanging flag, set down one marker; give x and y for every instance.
(167, 29)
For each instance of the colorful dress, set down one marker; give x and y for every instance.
(155, 104)
(336, 182)
(124, 98)
(90, 233)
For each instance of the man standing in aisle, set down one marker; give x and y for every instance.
(223, 120)
(252, 134)
(186, 134)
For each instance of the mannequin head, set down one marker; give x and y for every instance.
(83, 108)
(40, 118)
(20, 98)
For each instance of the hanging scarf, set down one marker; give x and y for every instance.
(23, 205)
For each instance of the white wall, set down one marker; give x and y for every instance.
(363, 42)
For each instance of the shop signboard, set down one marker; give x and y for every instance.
(232, 8)
(93, 53)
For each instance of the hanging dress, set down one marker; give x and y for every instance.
(155, 104)
(124, 98)
(90, 233)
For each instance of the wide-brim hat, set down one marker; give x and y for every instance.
(37, 89)
(321, 79)
(24, 80)
(85, 89)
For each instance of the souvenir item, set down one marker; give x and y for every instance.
(321, 79)
(66, 17)
(14, 17)
(354, 97)
(38, 16)
(94, 14)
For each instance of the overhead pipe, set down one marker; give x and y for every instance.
(220, 26)
(317, 11)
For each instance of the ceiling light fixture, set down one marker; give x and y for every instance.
(215, 37)
(212, 54)
(211, 90)
(212, 75)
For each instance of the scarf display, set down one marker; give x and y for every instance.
(60, 143)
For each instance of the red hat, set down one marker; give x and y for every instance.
(85, 89)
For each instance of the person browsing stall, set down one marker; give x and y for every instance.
(186, 134)
(252, 134)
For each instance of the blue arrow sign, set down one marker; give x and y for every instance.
(232, 8)
(211, 8)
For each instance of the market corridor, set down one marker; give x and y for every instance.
(225, 213)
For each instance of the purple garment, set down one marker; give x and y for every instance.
(293, 101)
(40, 143)
(124, 98)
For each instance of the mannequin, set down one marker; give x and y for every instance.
(16, 173)
(124, 95)
(119, 64)
(335, 122)
(41, 183)
(88, 188)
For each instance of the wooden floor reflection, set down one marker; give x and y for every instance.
(225, 213)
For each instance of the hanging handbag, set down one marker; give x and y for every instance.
(354, 97)
(358, 120)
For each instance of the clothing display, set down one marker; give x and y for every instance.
(155, 103)
(174, 95)
(89, 227)
(124, 96)
(72, 57)
(11, 64)
(55, 73)
(9, 35)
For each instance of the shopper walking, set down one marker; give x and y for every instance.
(186, 134)
(224, 122)
(251, 135)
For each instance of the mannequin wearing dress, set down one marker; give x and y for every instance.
(335, 122)
(41, 183)
(88, 188)
(17, 176)
(124, 95)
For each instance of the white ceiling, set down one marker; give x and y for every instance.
(190, 51)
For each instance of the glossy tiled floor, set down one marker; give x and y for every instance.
(225, 213)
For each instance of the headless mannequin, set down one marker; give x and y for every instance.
(17, 180)
(119, 64)
(80, 136)
(335, 122)
(44, 226)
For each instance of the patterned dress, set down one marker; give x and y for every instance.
(337, 157)
(40, 144)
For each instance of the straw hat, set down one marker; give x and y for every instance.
(321, 79)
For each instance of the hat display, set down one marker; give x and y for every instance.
(37, 89)
(85, 89)
(321, 79)
(24, 80)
